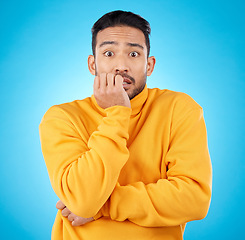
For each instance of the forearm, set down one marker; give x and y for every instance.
(185, 193)
(84, 176)
(159, 204)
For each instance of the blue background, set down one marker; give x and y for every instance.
(199, 47)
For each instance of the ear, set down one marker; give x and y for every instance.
(91, 64)
(151, 61)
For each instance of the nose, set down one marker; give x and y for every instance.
(121, 65)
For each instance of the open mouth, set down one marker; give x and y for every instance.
(126, 81)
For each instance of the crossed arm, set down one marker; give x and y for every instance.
(185, 194)
(108, 92)
(183, 197)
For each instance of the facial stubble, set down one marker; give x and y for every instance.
(136, 90)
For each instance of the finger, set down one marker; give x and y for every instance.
(65, 212)
(118, 81)
(96, 83)
(103, 81)
(78, 221)
(71, 217)
(110, 79)
(60, 205)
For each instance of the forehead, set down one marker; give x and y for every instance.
(121, 34)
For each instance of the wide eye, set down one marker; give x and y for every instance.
(108, 53)
(134, 54)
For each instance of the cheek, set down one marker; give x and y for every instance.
(140, 65)
(103, 66)
(140, 69)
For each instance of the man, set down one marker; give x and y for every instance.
(128, 162)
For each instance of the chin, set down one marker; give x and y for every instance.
(134, 92)
(132, 95)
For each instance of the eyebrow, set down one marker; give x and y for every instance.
(135, 45)
(116, 43)
(108, 43)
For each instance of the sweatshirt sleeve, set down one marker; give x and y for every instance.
(185, 194)
(84, 173)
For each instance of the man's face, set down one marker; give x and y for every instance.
(122, 50)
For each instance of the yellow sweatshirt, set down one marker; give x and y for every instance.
(142, 173)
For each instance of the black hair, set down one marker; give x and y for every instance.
(121, 18)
